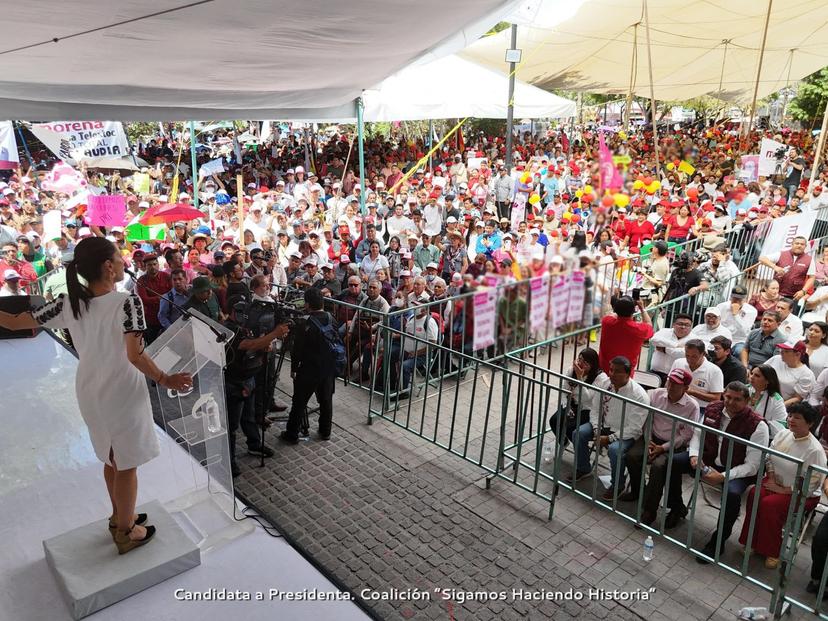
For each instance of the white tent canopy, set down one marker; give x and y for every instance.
(452, 87)
(214, 59)
(593, 50)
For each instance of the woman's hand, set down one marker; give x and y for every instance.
(176, 381)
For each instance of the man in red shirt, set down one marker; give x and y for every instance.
(150, 287)
(621, 335)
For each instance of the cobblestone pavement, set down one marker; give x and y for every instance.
(382, 509)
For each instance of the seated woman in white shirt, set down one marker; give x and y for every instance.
(776, 489)
(796, 380)
(815, 346)
(765, 398)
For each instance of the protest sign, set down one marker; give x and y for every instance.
(686, 167)
(51, 225)
(518, 211)
(560, 301)
(83, 141)
(575, 306)
(141, 183)
(212, 167)
(484, 319)
(539, 288)
(475, 162)
(9, 158)
(107, 210)
(749, 170)
(767, 157)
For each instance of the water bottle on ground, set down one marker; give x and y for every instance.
(648, 548)
(546, 455)
(754, 614)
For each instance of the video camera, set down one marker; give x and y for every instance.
(781, 153)
(260, 317)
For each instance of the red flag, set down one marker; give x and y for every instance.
(564, 141)
(461, 145)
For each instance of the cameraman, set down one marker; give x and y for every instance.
(794, 167)
(311, 369)
(246, 358)
(684, 280)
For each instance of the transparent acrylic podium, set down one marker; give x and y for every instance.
(197, 421)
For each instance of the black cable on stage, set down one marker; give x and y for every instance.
(100, 28)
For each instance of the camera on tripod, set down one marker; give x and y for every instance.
(780, 154)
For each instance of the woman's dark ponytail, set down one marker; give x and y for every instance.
(90, 255)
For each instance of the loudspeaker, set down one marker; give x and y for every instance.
(15, 304)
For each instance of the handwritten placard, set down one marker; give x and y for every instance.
(51, 225)
(107, 210)
(484, 319)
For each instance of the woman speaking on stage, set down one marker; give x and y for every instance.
(106, 328)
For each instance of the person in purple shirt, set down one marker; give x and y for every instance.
(673, 399)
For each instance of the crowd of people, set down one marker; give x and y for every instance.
(754, 366)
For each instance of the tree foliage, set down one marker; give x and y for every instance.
(809, 104)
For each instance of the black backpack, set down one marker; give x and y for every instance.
(336, 360)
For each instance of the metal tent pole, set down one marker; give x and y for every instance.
(361, 152)
(759, 69)
(193, 163)
(510, 110)
(652, 87)
(819, 148)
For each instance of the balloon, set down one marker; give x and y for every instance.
(525, 178)
(579, 193)
(671, 166)
(621, 200)
(638, 184)
(534, 199)
(647, 180)
(656, 184)
(543, 171)
(608, 200)
(588, 198)
(567, 216)
(676, 163)
(588, 189)
(576, 218)
(692, 193)
(553, 233)
(622, 135)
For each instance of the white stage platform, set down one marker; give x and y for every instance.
(51, 482)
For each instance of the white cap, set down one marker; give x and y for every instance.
(183, 195)
(85, 231)
(11, 274)
(713, 311)
(251, 185)
(163, 198)
(143, 205)
(557, 259)
(451, 219)
(8, 191)
(300, 169)
(117, 229)
(432, 265)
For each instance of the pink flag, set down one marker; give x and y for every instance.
(610, 179)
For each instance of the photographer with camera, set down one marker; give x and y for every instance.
(621, 335)
(316, 355)
(247, 355)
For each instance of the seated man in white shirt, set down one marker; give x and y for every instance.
(719, 462)
(791, 325)
(708, 381)
(711, 327)
(738, 316)
(615, 423)
(669, 345)
(816, 306)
